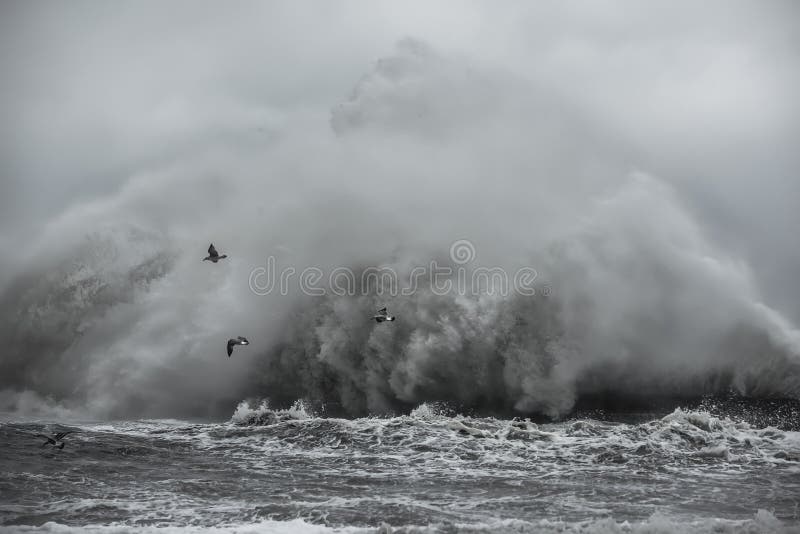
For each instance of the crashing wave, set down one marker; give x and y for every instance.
(126, 321)
(262, 415)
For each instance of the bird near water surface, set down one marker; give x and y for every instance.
(56, 440)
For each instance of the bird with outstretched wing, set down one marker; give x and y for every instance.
(213, 255)
(55, 439)
(241, 340)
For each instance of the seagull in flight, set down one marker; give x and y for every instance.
(57, 440)
(241, 340)
(213, 255)
(382, 316)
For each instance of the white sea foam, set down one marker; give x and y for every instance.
(256, 527)
(455, 472)
(246, 414)
(762, 522)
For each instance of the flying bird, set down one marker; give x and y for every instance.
(213, 255)
(56, 440)
(241, 340)
(382, 316)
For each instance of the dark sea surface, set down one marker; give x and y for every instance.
(290, 471)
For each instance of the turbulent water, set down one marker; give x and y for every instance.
(430, 471)
(643, 282)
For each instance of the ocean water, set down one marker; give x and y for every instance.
(430, 471)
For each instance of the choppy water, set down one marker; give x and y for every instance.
(292, 472)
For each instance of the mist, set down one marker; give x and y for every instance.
(640, 160)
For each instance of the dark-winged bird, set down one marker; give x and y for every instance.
(56, 440)
(382, 316)
(241, 340)
(213, 255)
